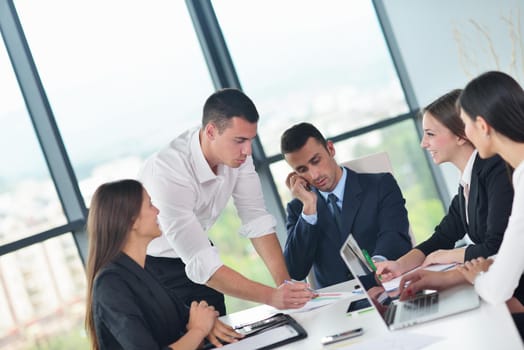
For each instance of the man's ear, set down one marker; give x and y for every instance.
(210, 130)
(331, 148)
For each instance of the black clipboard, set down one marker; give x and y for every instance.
(274, 324)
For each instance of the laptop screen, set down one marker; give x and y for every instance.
(364, 273)
(422, 308)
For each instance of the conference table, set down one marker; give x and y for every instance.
(486, 327)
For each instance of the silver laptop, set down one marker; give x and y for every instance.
(400, 314)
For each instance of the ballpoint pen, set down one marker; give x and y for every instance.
(308, 288)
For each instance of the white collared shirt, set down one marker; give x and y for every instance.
(190, 198)
(338, 191)
(468, 169)
(466, 180)
(499, 282)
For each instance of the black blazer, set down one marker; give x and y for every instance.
(489, 207)
(132, 310)
(373, 211)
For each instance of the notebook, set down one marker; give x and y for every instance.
(400, 314)
(269, 333)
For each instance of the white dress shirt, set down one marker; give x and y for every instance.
(191, 197)
(498, 283)
(465, 181)
(338, 191)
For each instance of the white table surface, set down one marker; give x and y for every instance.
(487, 327)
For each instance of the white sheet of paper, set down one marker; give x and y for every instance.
(323, 299)
(394, 283)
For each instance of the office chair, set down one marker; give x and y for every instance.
(374, 163)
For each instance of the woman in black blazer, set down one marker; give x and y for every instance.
(127, 308)
(481, 207)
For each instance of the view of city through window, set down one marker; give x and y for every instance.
(121, 92)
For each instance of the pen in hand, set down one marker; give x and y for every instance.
(315, 293)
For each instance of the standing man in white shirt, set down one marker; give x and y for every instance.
(190, 181)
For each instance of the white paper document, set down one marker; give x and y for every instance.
(322, 299)
(394, 283)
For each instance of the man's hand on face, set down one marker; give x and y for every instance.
(301, 190)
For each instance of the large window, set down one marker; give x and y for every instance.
(309, 61)
(41, 287)
(42, 293)
(123, 78)
(28, 201)
(323, 70)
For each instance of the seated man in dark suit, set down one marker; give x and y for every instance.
(332, 201)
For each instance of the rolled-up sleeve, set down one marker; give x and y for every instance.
(203, 264)
(249, 201)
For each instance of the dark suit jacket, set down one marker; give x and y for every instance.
(373, 211)
(132, 310)
(489, 207)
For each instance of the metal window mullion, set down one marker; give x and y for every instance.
(409, 92)
(223, 75)
(356, 132)
(42, 236)
(43, 120)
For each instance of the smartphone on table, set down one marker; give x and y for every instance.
(360, 304)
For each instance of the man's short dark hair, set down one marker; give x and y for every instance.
(225, 104)
(296, 137)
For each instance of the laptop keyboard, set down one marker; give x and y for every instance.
(421, 306)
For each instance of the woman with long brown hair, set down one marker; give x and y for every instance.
(492, 108)
(127, 308)
(482, 205)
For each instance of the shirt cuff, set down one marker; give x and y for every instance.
(310, 219)
(477, 277)
(378, 258)
(261, 226)
(203, 265)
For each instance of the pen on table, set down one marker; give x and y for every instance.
(307, 288)
(369, 260)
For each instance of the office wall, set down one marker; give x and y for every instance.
(445, 43)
